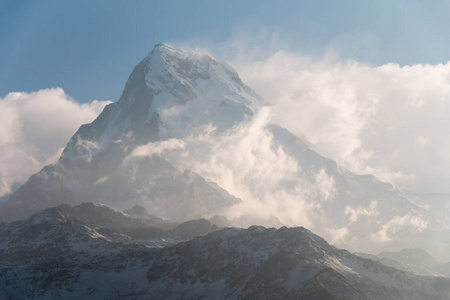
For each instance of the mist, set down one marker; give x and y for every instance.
(34, 128)
(386, 120)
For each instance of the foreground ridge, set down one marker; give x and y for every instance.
(44, 257)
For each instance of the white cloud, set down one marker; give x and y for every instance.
(399, 223)
(34, 128)
(390, 120)
(154, 148)
(421, 141)
(337, 235)
(249, 164)
(355, 214)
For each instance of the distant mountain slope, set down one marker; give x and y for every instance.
(437, 204)
(414, 260)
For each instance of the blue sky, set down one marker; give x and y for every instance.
(367, 82)
(90, 47)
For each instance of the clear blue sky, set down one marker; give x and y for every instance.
(90, 47)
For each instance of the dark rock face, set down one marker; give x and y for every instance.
(194, 228)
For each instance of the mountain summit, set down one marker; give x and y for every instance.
(171, 93)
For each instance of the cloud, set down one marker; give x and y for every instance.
(388, 120)
(34, 128)
(157, 148)
(250, 164)
(337, 235)
(355, 214)
(408, 222)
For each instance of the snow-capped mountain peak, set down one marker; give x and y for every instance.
(185, 110)
(176, 71)
(194, 90)
(171, 93)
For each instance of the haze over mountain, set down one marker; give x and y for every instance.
(187, 139)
